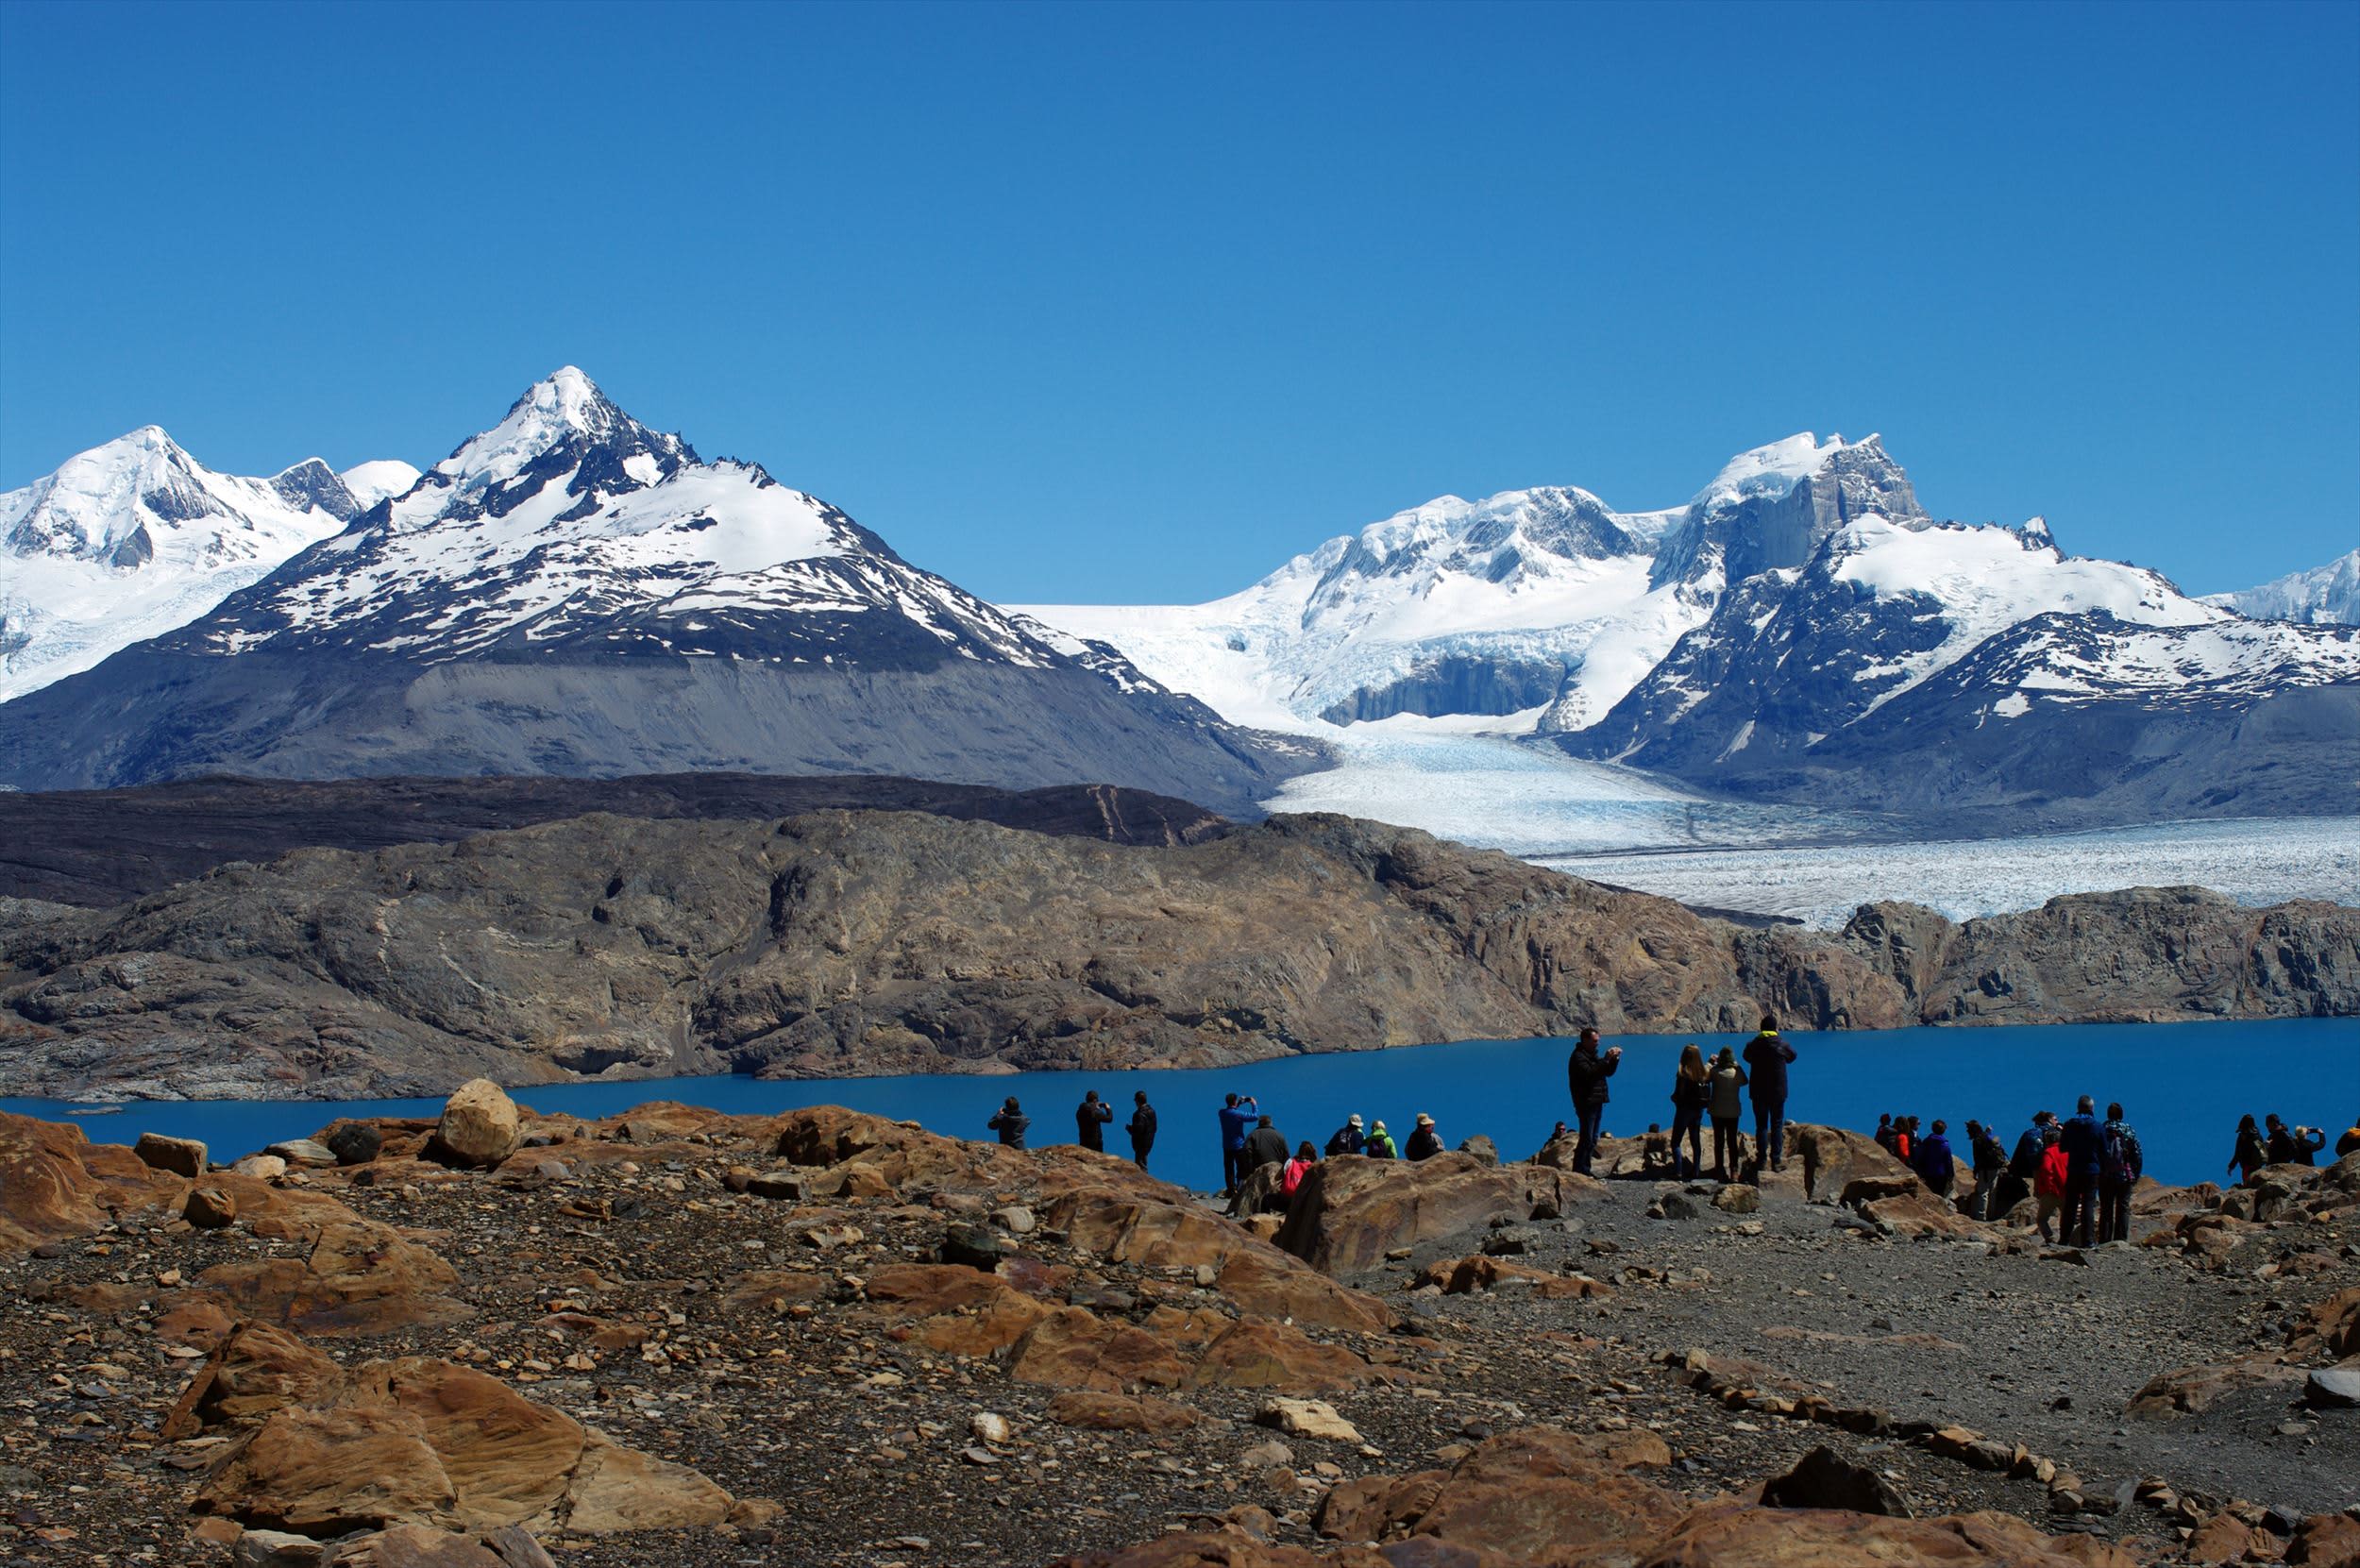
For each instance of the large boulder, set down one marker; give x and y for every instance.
(359, 1277)
(1834, 1157)
(1156, 1233)
(56, 1183)
(1350, 1212)
(480, 1126)
(422, 1441)
(182, 1157)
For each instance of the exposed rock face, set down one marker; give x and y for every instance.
(882, 942)
(1350, 1212)
(58, 1183)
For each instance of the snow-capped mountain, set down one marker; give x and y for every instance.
(573, 592)
(1796, 628)
(371, 482)
(2324, 595)
(135, 537)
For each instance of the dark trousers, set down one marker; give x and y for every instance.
(2080, 1211)
(2114, 1211)
(1586, 1146)
(1724, 1154)
(1232, 1168)
(1138, 1151)
(1689, 1125)
(1770, 1133)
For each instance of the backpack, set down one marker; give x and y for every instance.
(2120, 1160)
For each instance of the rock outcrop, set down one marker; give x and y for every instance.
(856, 943)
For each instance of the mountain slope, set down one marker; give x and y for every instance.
(2324, 595)
(572, 592)
(136, 537)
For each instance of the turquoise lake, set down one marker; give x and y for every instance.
(2184, 1084)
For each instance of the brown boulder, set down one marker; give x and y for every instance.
(480, 1126)
(427, 1442)
(1256, 1353)
(359, 1277)
(1232, 1548)
(2186, 1390)
(2326, 1541)
(1540, 1492)
(1918, 1213)
(1737, 1535)
(1350, 1211)
(1156, 1233)
(211, 1209)
(1462, 1275)
(182, 1157)
(254, 1370)
(894, 1154)
(1095, 1410)
(55, 1182)
(423, 1546)
(961, 1311)
(1072, 1347)
(1834, 1157)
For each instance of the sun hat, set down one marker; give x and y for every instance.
(1424, 1120)
(1356, 1119)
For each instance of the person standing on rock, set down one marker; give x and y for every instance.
(1010, 1123)
(1237, 1122)
(1348, 1138)
(1768, 1057)
(1727, 1079)
(1380, 1145)
(1425, 1142)
(1991, 1164)
(2251, 1154)
(1264, 1145)
(2049, 1184)
(2084, 1144)
(1141, 1128)
(2350, 1142)
(2024, 1166)
(1692, 1090)
(1929, 1156)
(1091, 1116)
(1586, 1073)
(2117, 1176)
(2293, 1145)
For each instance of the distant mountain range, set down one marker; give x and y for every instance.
(572, 592)
(1801, 629)
(569, 592)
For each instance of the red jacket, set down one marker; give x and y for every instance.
(1292, 1176)
(2054, 1167)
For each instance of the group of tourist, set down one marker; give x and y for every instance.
(2276, 1143)
(2078, 1170)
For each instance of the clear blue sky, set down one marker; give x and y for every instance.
(1128, 303)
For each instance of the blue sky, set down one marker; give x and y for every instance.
(1128, 303)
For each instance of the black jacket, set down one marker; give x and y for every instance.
(1424, 1145)
(1767, 1055)
(1143, 1128)
(1010, 1126)
(1090, 1116)
(1586, 1073)
(1266, 1146)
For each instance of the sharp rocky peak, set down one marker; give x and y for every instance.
(561, 416)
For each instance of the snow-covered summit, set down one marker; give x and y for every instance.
(372, 482)
(134, 537)
(2323, 596)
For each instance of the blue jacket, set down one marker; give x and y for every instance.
(1932, 1157)
(1235, 1121)
(2084, 1144)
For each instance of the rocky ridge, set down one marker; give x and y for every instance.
(674, 1335)
(851, 943)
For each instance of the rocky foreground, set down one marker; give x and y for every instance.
(501, 1340)
(845, 943)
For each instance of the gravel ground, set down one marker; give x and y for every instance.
(866, 1442)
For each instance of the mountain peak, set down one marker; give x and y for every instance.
(1770, 472)
(563, 406)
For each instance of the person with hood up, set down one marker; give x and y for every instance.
(1090, 1117)
(1725, 1106)
(1010, 1123)
(1586, 1073)
(1380, 1145)
(1769, 1056)
(1348, 1138)
(1141, 1128)
(1425, 1142)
